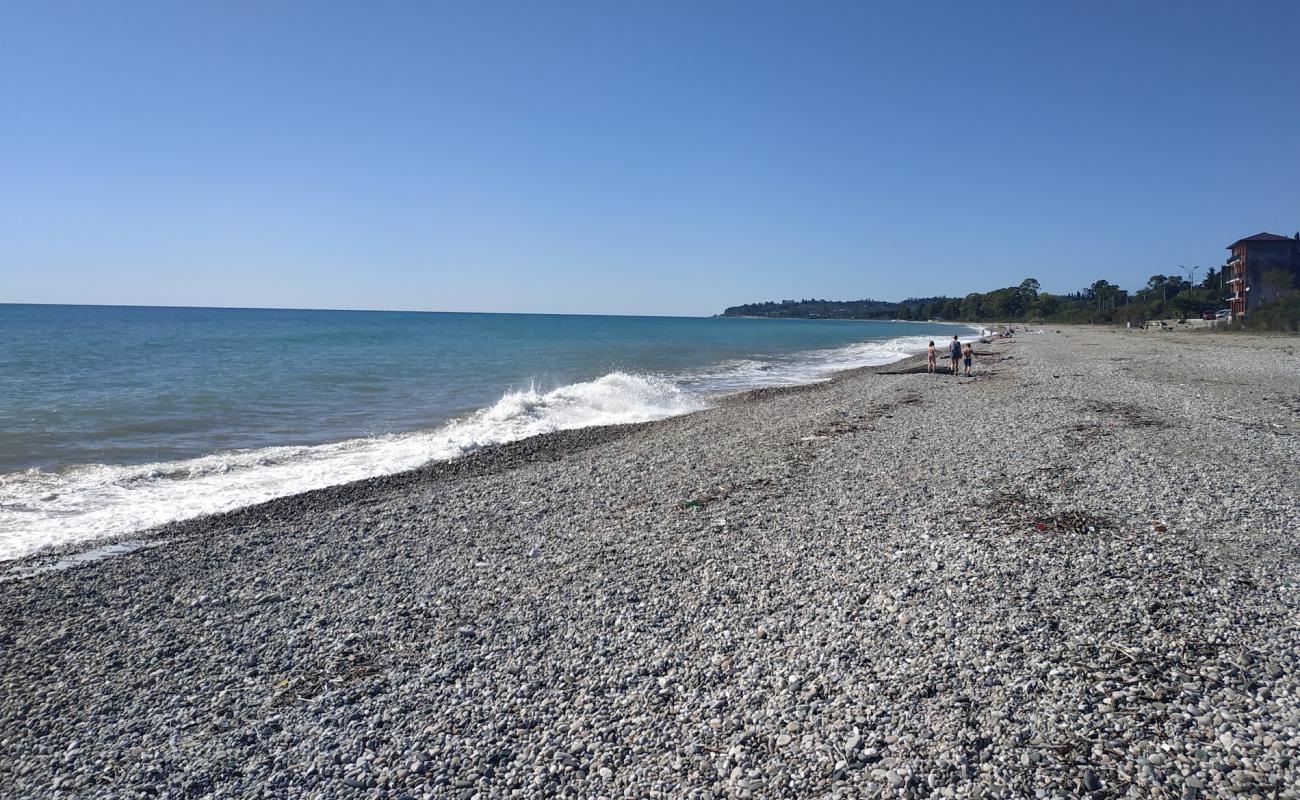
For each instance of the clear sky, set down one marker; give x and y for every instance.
(624, 157)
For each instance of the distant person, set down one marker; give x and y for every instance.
(967, 355)
(932, 357)
(954, 353)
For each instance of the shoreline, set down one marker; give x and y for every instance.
(488, 460)
(1052, 577)
(60, 548)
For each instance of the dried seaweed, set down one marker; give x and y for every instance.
(1019, 511)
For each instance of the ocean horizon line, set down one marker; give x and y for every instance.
(352, 310)
(466, 313)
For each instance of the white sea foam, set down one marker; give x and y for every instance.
(88, 502)
(810, 366)
(83, 503)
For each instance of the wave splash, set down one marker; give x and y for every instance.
(611, 400)
(39, 509)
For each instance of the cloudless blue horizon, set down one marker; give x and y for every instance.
(631, 158)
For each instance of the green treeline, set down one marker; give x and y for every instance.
(1163, 297)
(817, 309)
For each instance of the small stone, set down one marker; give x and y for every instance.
(1090, 781)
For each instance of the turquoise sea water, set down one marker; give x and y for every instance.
(116, 418)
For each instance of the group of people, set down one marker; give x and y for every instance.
(956, 352)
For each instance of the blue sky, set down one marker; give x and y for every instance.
(642, 158)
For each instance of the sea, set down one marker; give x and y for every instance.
(115, 419)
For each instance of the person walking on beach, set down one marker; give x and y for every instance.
(954, 352)
(932, 359)
(967, 355)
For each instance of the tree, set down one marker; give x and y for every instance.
(1159, 283)
(1045, 305)
(1098, 291)
(1188, 304)
(971, 307)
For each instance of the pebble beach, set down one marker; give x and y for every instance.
(1076, 573)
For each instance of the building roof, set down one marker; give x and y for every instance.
(1261, 237)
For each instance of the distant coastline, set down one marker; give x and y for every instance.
(1215, 297)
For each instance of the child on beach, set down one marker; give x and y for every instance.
(933, 359)
(967, 355)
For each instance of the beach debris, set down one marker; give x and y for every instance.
(1074, 522)
(716, 492)
(1159, 525)
(1017, 509)
(1124, 415)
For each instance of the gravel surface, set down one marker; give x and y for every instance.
(1074, 574)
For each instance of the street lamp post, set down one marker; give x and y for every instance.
(1191, 274)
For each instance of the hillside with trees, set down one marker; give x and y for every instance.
(1163, 297)
(816, 309)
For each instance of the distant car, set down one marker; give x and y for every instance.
(1208, 315)
(1223, 313)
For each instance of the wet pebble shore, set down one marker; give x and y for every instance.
(1075, 574)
